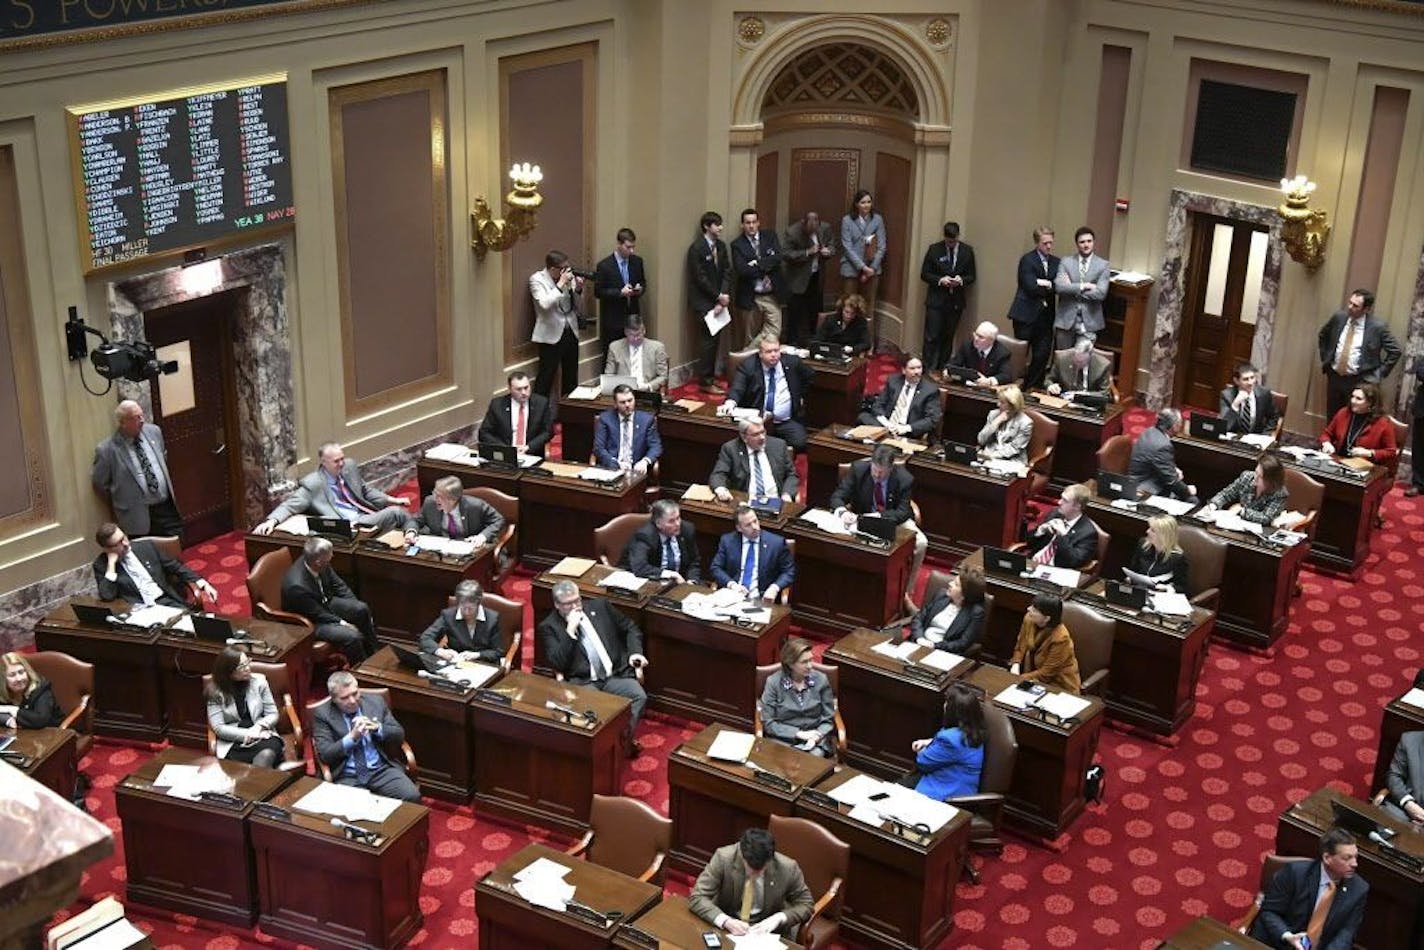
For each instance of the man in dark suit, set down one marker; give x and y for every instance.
(761, 287)
(351, 733)
(1080, 369)
(619, 284)
(948, 269)
(1154, 463)
(1354, 348)
(450, 513)
(465, 631)
(131, 470)
(752, 561)
(1066, 537)
(1245, 405)
(336, 490)
(1032, 311)
(1404, 783)
(1322, 899)
(807, 246)
(709, 287)
(908, 405)
(665, 547)
(139, 573)
(626, 438)
(754, 463)
(1416, 437)
(878, 488)
(521, 418)
(984, 355)
(313, 590)
(776, 384)
(780, 904)
(594, 644)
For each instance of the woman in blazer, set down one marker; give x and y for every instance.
(846, 326)
(1007, 430)
(954, 619)
(1361, 429)
(27, 701)
(950, 762)
(862, 249)
(1044, 651)
(241, 712)
(1159, 555)
(797, 705)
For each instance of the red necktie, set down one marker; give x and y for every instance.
(879, 496)
(519, 427)
(345, 492)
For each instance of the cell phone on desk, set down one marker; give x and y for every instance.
(711, 939)
(878, 796)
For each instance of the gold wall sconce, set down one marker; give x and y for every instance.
(1304, 230)
(521, 212)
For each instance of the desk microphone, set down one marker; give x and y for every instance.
(1381, 840)
(354, 831)
(588, 715)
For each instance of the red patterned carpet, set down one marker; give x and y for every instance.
(1181, 832)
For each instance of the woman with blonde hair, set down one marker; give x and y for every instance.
(27, 701)
(1159, 555)
(1008, 429)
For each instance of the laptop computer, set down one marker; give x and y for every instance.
(881, 529)
(1000, 561)
(607, 382)
(338, 528)
(1356, 821)
(1095, 401)
(92, 614)
(1113, 485)
(500, 455)
(1206, 427)
(961, 452)
(1125, 594)
(415, 662)
(830, 352)
(648, 400)
(212, 628)
(960, 374)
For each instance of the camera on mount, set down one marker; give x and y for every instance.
(137, 362)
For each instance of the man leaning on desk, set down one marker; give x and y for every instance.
(138, 571)
(1080, 370)
(748, 888)
(521, 418)
(752, 561)
(756, 464)
(350, 733)
(878, 488)
(450, 513)
(336, 490)
(665, 548)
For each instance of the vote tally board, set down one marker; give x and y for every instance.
(160, 176)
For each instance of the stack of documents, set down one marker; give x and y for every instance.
(449, 452)
(187, 781)
(731, 746)
(1171, 604)
(1258, 439)
(1004, 467)
(542, 884)
(348, 802)
(1172, 506)
(586, 392)
(1062, 576)
(471, 675)
(454, 547)
(935, 659)
(896, 651)
(622, 580)
(592, 474)
(825, 520)
(153, 614)
(892, 801)
(1062, 705)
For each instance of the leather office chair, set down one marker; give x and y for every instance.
(511, 619)
(1091, 568)
(264, 591)
(401, 754)
(934, 585)
(505, 551)
(173, 547)
(626, 835)
(824, 861)
(1092, 644)
(1282, 402)
(289, 725)
(986, 807)
(1270, 866)
(1401, 439)
(1040, 450)
(735, 361)
(832, 674)
(611, 537)
(1305, 495)
(1115, 455)
(72, 681)
(1206, 560)
(1018, 359)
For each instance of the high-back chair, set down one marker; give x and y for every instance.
(1092, 635)
(264, 590)
(1206, 560)
(72, 682)
(1271, 865)
(832, 674)
(1115, 455)
(506, 551)
(824, 860)
(172, 547)
(289, 725)
(1040, 450)
(399, 753)
(986, 807)
(611, 537)
(626, 835)
(1018, 359)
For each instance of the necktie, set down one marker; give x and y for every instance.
(1084, 387)
(669, 555)
(519, 427)
(1250, 410)
(758, 480)
(902, 405)
(983, 360)
(452, 525)
(1322, 910)
(749, 564)
(1083, 268)
(1043, 262)
(622, 268)
(770, 404)
(748, 894)
(880, 503)
(953, 257)
(149, 477)
(344, 491)
(595, 661)
(625, 445)
(1045, 553)
(358, 754)
(1342, 365)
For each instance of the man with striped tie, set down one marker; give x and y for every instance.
(752, 561)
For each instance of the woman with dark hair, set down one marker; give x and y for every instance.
(797, 705)
(1044, 650)
(953, 619)
(1258, 496)
(27, 702)
(846, 326)
(242, 713)
(862, 249)
(949, 763)
(1361, 429)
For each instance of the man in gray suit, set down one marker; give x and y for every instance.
(336, 490)
(131, 470)
(748, 888)
(1404, 783)
(1082, 286)
(752, 461)
(806, 248)
(639, 357)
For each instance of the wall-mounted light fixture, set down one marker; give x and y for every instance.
(1304, 230)
(521, 207)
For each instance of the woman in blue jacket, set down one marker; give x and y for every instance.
(949, 764)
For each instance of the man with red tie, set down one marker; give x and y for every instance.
(522, 418)
(878, 488)
(336, 490)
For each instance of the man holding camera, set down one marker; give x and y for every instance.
(556, 290)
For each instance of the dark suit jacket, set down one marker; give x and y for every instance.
(774, 562)
(1290, 898)
(924, 416)
(965, 630)
(644, 553)
(751, 267)
(996, 363)
(39, 709)
(481, 636)
(1378, 353)
(1263, 417)
(621, 638)
(1145, 560)
(936, 265)
(1406, 769)
(748, 389)
(158, 564)
(733, 467)
(329, 726)
(1076, 548)
(1032, 303)
(856, 492)
(1153, 459)
(477, 516)
(796, 254)
(301, 594)
(1418, 387)
(719, 889)
(613, 307)
(647, 444)
(498, 425)
(707, 279)
(833, 329)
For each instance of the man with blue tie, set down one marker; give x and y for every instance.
(351, 733)
(777, 385)
(665, 548)
(752, 561)
(625, 438)
(619, 284)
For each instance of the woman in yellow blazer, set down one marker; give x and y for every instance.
(1044, 651)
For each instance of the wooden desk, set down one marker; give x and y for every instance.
(1081, 432)
(1206, 933)
(1212, 464)
(509, 921)
(825, 453)
(127, 697)
(963, 508)
(541, 602)
(886, 707)
(1047, 790)
(437, 725)
(843, 583)
(314, 886)
(1346, 520)
(836, 391)
(965, 409)
(191, 856)
(405, 592)
(577, 419)
(1398, 718)
(51, 751)
(343, 556)
(671, 923)
(1012, 597)
(711, 803)
(557, 515)
(470, 474)
(532, 766)
(705, 671)
(691, 441)
(1396, 899)
(712, 519)
(899, 891)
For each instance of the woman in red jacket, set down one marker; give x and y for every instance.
(1361, 429)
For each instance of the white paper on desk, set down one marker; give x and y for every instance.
(592, 474)
(717, 319)
(622, 580)
(152, 614)
(473, 675)
(171, 776)
(546, 892)
(1126, 504)
(528, 461)
(585, 392)
(825, 520)
(1231, 521)
(1258, 439)
(118, 935)
(731, 746)
(1415, 698)
(184, 624)
(1015, 697)
(897, 651)
(1171, 605)
(1062, 705)
(752, 414)
(760, 941)
(1062, 576)
(454, 547)
(448, 452)
(857, 791)
(348, 802)
(543, 869)
(909, 806)
(866, 813)
(1005, 467)
(296, 524)
(941, 660)
(1172, 506)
